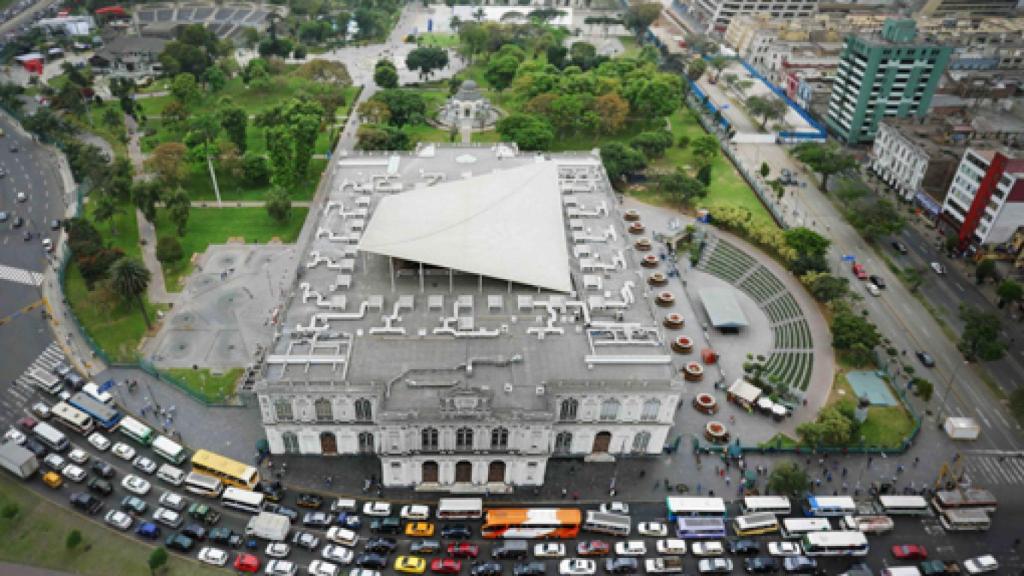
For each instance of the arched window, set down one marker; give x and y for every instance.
(366, 442)
(567, 410)
(651, 409)
(563, 443)
(428, 440)
(464, 439)
(640, 441)
(364, 411)
(499, 438)
(610, 409)
(283, 410)
(323, 410)
(291, 442)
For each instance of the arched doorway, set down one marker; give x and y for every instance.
(328, 443)
(463, 471)
(366, 443)
(496, 471)
(428, 473)
(601, 442)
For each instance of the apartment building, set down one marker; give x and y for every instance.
(985, 203)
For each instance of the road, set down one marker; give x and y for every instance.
(24, 16)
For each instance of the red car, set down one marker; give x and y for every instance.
(247, 563)
(463, 550)
(859, 271)
(909, 552)
(27, 423)
(446, 565)
(592, 548)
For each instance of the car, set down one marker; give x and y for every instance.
(179, 542)
(349, 520)
(592, 548)
(225, 536)
(336, 553)
(784, 548)
(389, 525)
(134, 504)
(463, 550)
(41, 409)
(371, 560)
(445, 566)
(14, 147)
(118, 520)
(74, 473)
(17, 222)
(273, 491)
(212, 556)
(3, 215)
(456, 531)
(86, 502)
(173, 501)
(909, 552)
(577, 567)
(799, 564)
(938, 268)
(194, 531)
(421, 529)
(276, 508)
(103, 469)
(615, 507)
(715, 566)
(631, 548)
(410, 565)
(53, 480)
(47, 244)
(981, 564)
(167, 517)
(899, 247)
(78, 456)
(377, 508)
(671, 546)
(148, 530)
(308, 500)
(322, 568)
(877, 281)
(653, 529)
(26, 423)
(278, 550)
(859, 271)
(872, 289)
(123, 451)
(761, 565)
(486, 569)
(317, 519)
(621, 565)
(34, 446)
(144, 464)
(534, 568)
(99, 441)
(744, 546)
(55, 462)
(425, 546)
(21, 197)
(549, 550)
(363, 572)
(15, 436)
(27, 236)
(381, 545)
(415, 512)
(55, 224)
(925, 358)
(246, 563)
(101, 487)
(281, 568)
(136, 485)
(306, 540)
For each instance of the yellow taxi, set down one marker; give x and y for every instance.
(419, 529)
(53, 480)
(410, 564)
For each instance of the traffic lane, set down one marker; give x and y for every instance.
(32, 171)
(22, 339)
(17, 299)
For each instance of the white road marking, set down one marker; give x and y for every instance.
(20, 275)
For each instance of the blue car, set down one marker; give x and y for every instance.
(349, 520)
(148, 530)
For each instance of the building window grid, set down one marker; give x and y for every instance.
(283, 410)
(651, 409)
(568, 410)
(429, 440)
(464, 439)
(364, 410)
(610, 410)
(323, 411)
(499, 438)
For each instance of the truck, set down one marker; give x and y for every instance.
(939, 567)
(869, 524)
(268, 526)
(203, 513)
(667, 565)
(45, 381)
(19, 461)
(961, 428)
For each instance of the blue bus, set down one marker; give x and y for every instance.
(105, 415)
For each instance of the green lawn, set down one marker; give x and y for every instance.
(427, 133)
(215, 388)
(36, 536)
(438, 39)
(629, 46)
(200, 187)
(114, 135)
(215, 225)
(885, 426)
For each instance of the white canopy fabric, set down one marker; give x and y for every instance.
(507, 224)
(744, 391)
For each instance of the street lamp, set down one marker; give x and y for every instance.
(943, 409)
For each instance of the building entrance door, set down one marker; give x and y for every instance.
(601, 442)
(429, 472)
(463, 471)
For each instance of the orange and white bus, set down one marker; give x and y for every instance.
(531, 523)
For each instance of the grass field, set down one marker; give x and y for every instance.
(215, 388)
(114, 135)
(438, 39)
(200, 187)
(885, 426)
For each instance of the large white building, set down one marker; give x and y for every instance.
(467, 314)
(716, 14)
(915, 158)
(985, 203)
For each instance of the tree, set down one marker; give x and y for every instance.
(501, 71)
(653, 97)
(824, 286)
(620, 160)
(652, 143)
(765, 170)
(612, 110)
(639, 16)
(426, 60)
(789, 479)
(10, 96)
(1009, 291)
(985, 269)
(875, 220)
(168, 250)
(215, 79)
(683, 142)
(73, 540)
(9, 511)
(145, 195)
(766, 108)
(806, 241)
(403, 107)
(704, 175)
(385, 75)
(255, 170)
(374, 112)
(556, 55)
(980, 337)
(234, 120)
(682, 188)
(184, 89)
(583, 54)
(923, 388)
(157, 559)
(705, 149)
(530, 132)
(106, 209)
(825, 159)
(129, 278)
(696, 68)
(381, 137)
(178, 206)
(850, 329)
(279, 205)
(167, 161)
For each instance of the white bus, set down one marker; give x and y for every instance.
(753, 524)
(868, 524)
(965, 520)
(136, 430)
(203, 485)
(73, 418)
(460, 508)
(967, 498)
(903, 505)
(681, 506)
(830, 506)
(50, 436)
(606, 523)
(695, 528)
(45, 381)
(848, 543)
(773, 504)
(169, 450)
(244, 500)
(793, 528)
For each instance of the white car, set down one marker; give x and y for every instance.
(167, 517)
(144, 464)
(337, 553)
(78, 456)
(118, 520)
(55, 462)
(123, 451)
(981, 564)
(549, 550)
(938, 268)
(136, 485)
(784, 549)
(21, 197)
(655, 529)
(415, 512)
(363, 572)
(281, 568)
(872, 289)
(377, 508)
(41, 410)
(278, 550)
(74, 473)
(15, 436)
(321, 568)
(99, 441)
(577, 567)
(631, 548)
(213, 556)
(715, 566)
(707, 548)
(671, 547)
(615, 507)
(173, 501)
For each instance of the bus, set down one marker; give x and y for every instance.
(797, 527)
(753, 524)
(50, 436)
(903, 505)
(72, 418)
(696, 527)
(837, 543)
(868, 524)
(136, 430)
(169, 450)
(607, 523)
(460, 508)
(830, 506)
(244, 500)
(966, 498)
(203, 485)
(679, 506)
(45, 381)
(965, 519)
(773, 504)
(531, 523)
(230, 472)
(105, 415)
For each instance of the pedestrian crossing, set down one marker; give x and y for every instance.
(987, 469)
(20, 275)
(47, 359)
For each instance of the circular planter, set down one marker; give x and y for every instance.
(683, 344)
(636, 228)
(693, 372)
(657, 279)
(649, 261)
(642, 244)
(705, 403)
(674, 321)
(631, 215)
(716, 432)
(665, 298)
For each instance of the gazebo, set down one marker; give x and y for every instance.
(468, 105)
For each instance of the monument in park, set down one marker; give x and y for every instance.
(469, 106)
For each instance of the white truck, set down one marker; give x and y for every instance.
(45, 381)
(19, 461)
(869, 524)
(668, 565)
(268, 526)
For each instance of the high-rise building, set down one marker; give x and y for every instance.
(973, 8)
(716, 14)
(986, 199)
(891, 74)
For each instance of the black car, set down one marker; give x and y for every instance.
(389, 525)
(370, 560)
(536, 568)
(273, 491)
(194, 531)
(381, 545)
(282, 510)
(425, 546)
(74, 380)
(17, 222)
(14, 148)
(35, 447)
(744, 547)
(103, 469)
(485, 569)
(456, 531)
(225, 537)
(86, 502)
(761, 565)
(179, 542)
(307, 500)
(316, 519)
(926, 359)
(877, 280)
(55, 224)
(101, 487)
(62, 369)
(621, 565)
(899, 247)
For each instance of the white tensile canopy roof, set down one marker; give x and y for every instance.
(507, 224)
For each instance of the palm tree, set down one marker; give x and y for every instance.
(454, 23)
(479, 14)
(130, 278)
(106, 209)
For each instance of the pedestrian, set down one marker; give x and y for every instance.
(828, 477)
(329, 480)
(728, 480)
(844, 471)
(817, 482)
(575, 495)
(699, 488)
(916, 460)
(711, 493)
(564, 492)
(870, 458)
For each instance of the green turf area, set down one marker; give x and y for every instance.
(780, 440)
(629, 46)
(885, 426)
(214, 388)
(36, 536)
(115, 134)
(232, 189)
(215, 225)
(439, 39)
(427, 133)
